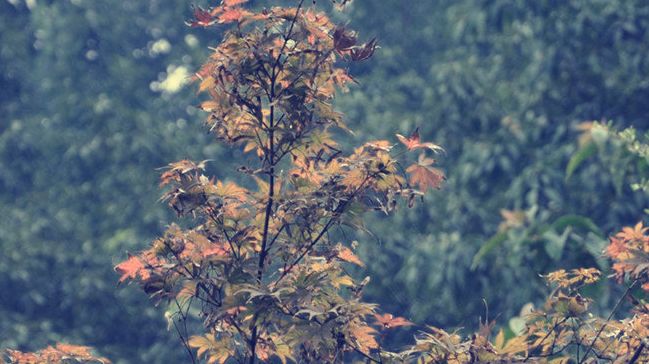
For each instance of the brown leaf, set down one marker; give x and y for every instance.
(343, 39)
(365, 51)
(425, 176)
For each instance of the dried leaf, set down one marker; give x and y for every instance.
(424, 176)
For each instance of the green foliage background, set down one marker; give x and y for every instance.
(85, 119)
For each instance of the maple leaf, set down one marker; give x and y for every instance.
(511, 219)
(231, 190)
(414, 142)
(346, 254)
(215, 250)
(62, 353)
(388, 321)
(364, 337)
(202, 18)
(130, 268)
(233, 2)
(425, 176)
(364, 52)
(203, 344)
(19, 357)
(343, 39)
(636, 233)
(231, 15)
(75, 350)
(383, 145)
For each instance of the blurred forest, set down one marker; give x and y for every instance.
(93, 101)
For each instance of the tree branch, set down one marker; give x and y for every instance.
(610, 316)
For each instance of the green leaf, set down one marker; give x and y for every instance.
(490, 245)
(517, 325)
(579, 157)
(554, 243)
(576, 221)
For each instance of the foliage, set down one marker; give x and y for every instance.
(503, 86)
(624, 152)
(563, 331)
(263, 267)
(61, 353)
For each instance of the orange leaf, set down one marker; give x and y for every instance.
(387, 321)
(233, 2)
(130, 268)
(215, 250)
(75, 350)
(233, 15)
(346, 254)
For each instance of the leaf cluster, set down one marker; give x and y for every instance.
(60, 353)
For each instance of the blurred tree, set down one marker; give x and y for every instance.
(91, 104)
(501, 85)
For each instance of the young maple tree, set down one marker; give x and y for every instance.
(262, 267)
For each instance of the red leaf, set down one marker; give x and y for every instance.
(414, 142)
(202, 18)
(387, 321)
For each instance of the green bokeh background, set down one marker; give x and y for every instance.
(89, 110)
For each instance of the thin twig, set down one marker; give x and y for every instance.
(322, 233)
(610, 316)
(180, 334)
(545, 337)
(365, 355)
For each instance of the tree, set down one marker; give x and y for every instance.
(263, 267)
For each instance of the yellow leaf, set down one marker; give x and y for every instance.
(500, 339)
(515, 345)
(342, 281)
(364, 337)
(209, 106)
(202, 344)
(207, 83)
(346, 254)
